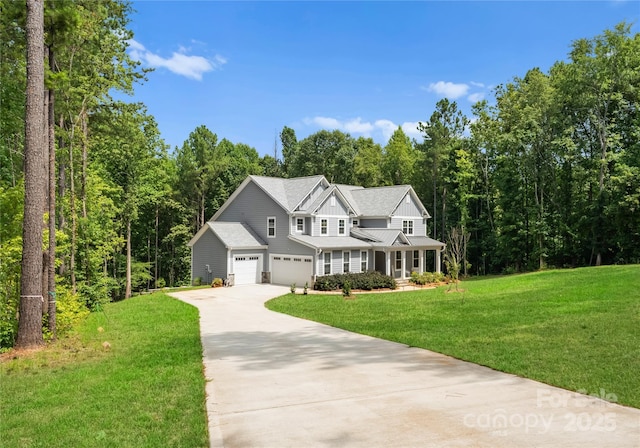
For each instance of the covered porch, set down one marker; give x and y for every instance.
(400, 262)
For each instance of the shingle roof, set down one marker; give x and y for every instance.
(378, 201)
(331, 242)
(425, 241)
(380, 237)
(288, 192)
(235, 235)
(346, 190)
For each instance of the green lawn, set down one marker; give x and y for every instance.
(578, 329)
(147, 390)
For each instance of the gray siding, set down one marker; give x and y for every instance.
(314, 195)
(252, 206)
(332, 225)
(410, 209)
(209, 250)
(374, 223)
(339, 209)
(419, 227)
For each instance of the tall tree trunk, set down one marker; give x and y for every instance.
(62, 188)
(83, 193)
(51, 273)
(155, 277)
(45, 210)
(30, 307)
(127, 291)
(72, 205)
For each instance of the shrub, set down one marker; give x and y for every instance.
(161, 283)
(217, 282)
(197, 281)
(426, 278)
(70, 309)
(292, 288)
(346, 289)
(364, 280)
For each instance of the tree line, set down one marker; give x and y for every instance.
(95, 206)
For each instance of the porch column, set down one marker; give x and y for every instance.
(404, 264)
(387, 259)
(438, 267)
(421, 266)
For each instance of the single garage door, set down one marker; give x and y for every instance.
(289, 269)
(247, 269)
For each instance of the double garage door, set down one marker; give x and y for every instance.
(289, 269)
(247, 269)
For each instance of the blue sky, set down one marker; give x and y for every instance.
(246, 69)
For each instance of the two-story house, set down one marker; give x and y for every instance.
(286, 231)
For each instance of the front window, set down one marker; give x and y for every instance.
(327, 263)
(341, 226)
(398, 261)
(363, 261)
(346, 262)
(271, 227)
(407, 227)
(355, 223)
(323, 227)
(416, 259)
(300, 225)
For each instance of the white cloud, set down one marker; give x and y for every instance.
(387, 127)
(380, 128)
(189, 66)
(358, 127)
(448, 89)
(411, 129)
(475, 97)
(476, 84)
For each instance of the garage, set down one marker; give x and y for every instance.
(247, 269)
(289, 269)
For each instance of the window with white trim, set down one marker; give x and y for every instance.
(271, 227)
(346, 261)
(327, 263)
(416, 259)
(300, 225)
(363, 261)
(398, 260)
(324, 227)
(407, 227)
(341, 226)
(354, 223)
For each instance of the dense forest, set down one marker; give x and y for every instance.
(545, 174)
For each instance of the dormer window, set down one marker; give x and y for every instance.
(407, 227)
(341, 227)
(354, 223)
(300, 225)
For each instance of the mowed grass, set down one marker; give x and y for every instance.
(577, 329)
(146, 390)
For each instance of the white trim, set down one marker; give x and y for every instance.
(409, 226)
(275, 224)
(324, 263)
(303, 224)
(348, 252)
(366, 260)
(326, 227)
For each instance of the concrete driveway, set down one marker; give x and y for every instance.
(280, 381)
